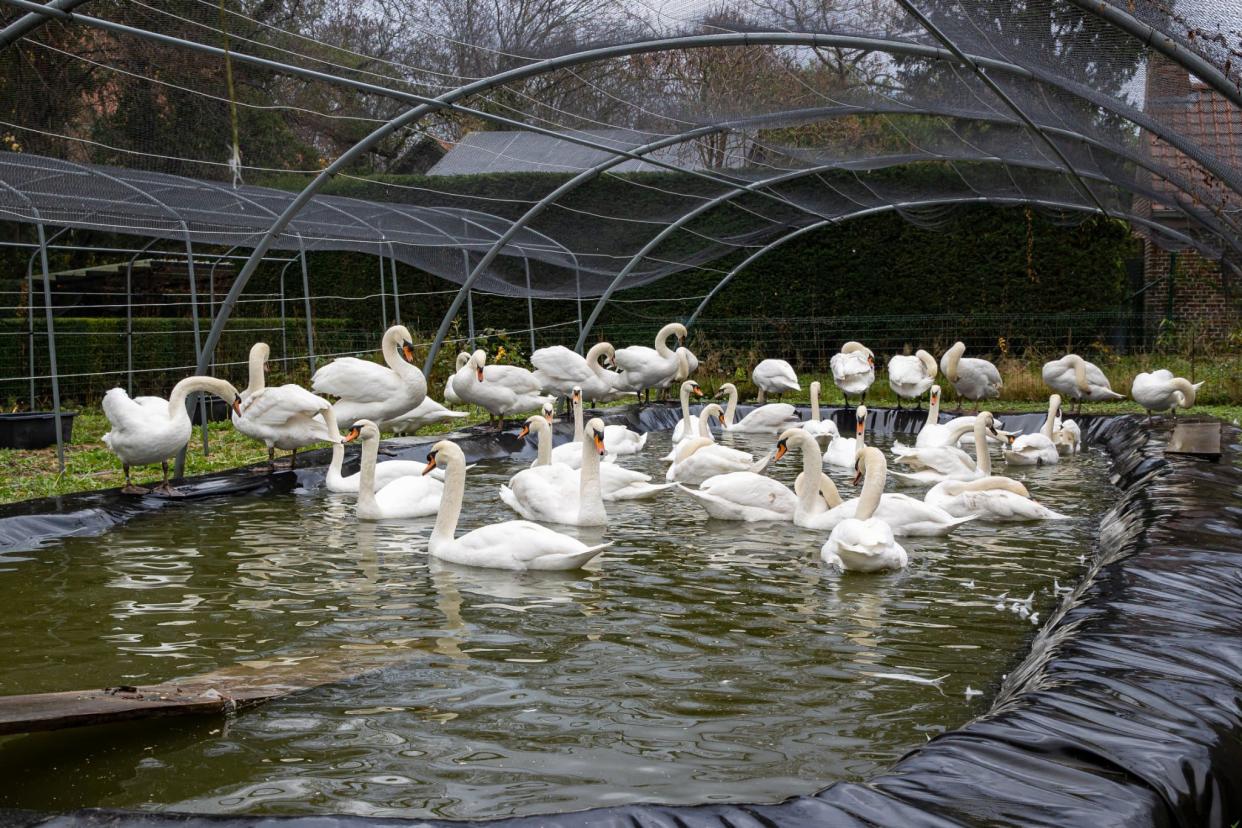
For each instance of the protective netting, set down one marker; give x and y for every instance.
(686, 132)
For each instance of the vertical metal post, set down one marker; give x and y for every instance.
(51, 347)
(198, 341)
(530, 306)
(306, 300)
(30, 336)
(383, 296)
(284, 336)
(129, 327)
(465, 255)
(578, 290)
(396, 294)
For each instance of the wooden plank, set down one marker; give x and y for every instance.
(1196, 439)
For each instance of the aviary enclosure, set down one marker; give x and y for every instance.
(760, 573)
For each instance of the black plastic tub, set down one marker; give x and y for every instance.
(34, 429)
(218, 411)
(1126, 712)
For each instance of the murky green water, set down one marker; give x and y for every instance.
(697, 661)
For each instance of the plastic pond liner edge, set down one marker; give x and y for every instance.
(1126, 711)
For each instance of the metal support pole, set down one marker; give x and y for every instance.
(30, 335)
(383, 295)
(396, 294)
(306, 301)
(198, 341)
(530, 306)
(578, 290)
(51, 347)
(465, 255)
(284, 335)
(129, 328)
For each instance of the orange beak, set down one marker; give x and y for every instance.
(858, 428)
(577, 396)
(431, 463)
(599, 443)
(237, 405)
(479, 373)
(858, 475)
(871, 362)
(782, 448)
(352, 435)
(698, 392)
(407, 351)
(525, 430)
(547, 415)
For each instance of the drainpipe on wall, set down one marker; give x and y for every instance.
(1168, 308)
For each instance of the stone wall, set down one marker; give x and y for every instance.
(1200, 294)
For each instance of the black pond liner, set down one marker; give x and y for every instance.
(1127, 711)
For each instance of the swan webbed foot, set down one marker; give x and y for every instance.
(167, 490)
(131, 489)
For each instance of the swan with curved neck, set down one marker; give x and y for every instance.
(500, 389)
(769, 418)
(865, 543)
(286, 417)
(1036, 449)
(911, 376)
(991, 498)
(617, 483)
(688, 425)
(513, 544)
(933, 464)
(853, 370)
(553, 493)
(820, 507)
(644, 368)
(699, 458)
(367, 391)
(1078, 380)
(150, 429)
(1160, 391)
(972, 379)
(407, 496)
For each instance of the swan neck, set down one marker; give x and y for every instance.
(929, 362)
(1186, 389)
(983, 457)
(545, 443)
(813, 475)
(873, 487)
(661, 342)
(685, 409)
(338, 459)
(1080, 374)
(450, 502)
(591, 493)
(951, 361)
(256, 381)
(366, 482)
(705, 428)
(814, 401)
(730, 408)
(183, 389)
(593, 358)
(577, 420)
(1050, 420)
(933, 413)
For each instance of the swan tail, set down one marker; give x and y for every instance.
(641, 491)
(762, 463)
(511, 500)
(571, 560)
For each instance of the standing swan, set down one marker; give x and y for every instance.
(367, 391)
(514, 544)
(972, 379)
(556, 494)
(769, 418)
(911, 376)
(286, 417)
(1078, 380)
(865, 543)
(774, 376)
(500, 389)
(1161, 391)
(450, 396)
(150, 429)
(405, 497)
(644, 368)
(853, 370)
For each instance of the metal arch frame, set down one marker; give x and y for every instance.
(822, 112)
(30, 21)
(682, 220)
(801, 231)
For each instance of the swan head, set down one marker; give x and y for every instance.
(989, 422)
(534, 421)
(441, 454)
(860, 420)
(364, 429)
(725, 390)
(935, 395)
(693, 387)
(610, 355)
(237, 404)
(712, 410)
(595, 430)
(576, 397)
(399, 336)
(868, 457)
(479, 359)
(782, 447)
(462, 359)
(260, 351)
(680, 330)
(548, 413)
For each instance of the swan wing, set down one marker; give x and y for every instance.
(519, 545)
(752, 490)
(276, 406)
(356, 379)
(560, 363)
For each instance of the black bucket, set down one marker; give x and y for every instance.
(34, 429)
(218, 411)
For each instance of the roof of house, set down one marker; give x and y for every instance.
(1207, 120)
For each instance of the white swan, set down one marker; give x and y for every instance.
(407, 496)
(843, 451)
(933, 464)
(450, 396)
(556, 494)
(1067, 437)
(151, 429)
(499, 389)
(816, 427)
(911, 376)
(853, 370)
(513, 544)
(1036, 449)
(774, 376)
(972, 379)
(286, 417)
(819, 504)
(644, 368)
(619, 440)
(570, 454)
(688, 425)
(700, 457)
(1161, 391)
(744, 495)
(559, 369)
(368, 391)
(428, 412)
(769, 418)
(385, 472)
(617, 482)
(1078, 380)
(990, 498)
(865, 543)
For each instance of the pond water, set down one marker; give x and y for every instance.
(696, 661)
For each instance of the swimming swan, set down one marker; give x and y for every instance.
(700, 457)
(405, 497)
(911, 376)
(865, 543)
(843, 451)
(933, 464)
(514, 544)
(571, 454)
(815, 426)
(991, 498)
(1036, 449)
(769, 418)
(367, 391)
(617, 482)
(151, 429)
(558, 494)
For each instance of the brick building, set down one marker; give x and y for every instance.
(1200, 290)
